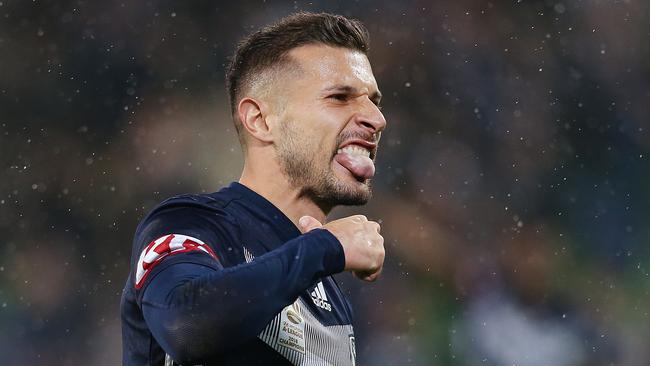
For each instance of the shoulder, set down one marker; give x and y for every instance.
(198, 212)
(205, 203)
(204, 218)
(194, 228)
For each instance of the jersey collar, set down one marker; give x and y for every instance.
(266, 211)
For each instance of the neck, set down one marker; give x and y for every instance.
(265, 180)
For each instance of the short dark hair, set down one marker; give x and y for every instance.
(268, 47)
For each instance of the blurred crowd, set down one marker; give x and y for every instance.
(512, 184)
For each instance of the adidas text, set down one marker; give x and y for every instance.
(322, 304)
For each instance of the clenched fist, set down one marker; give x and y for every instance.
(362, 244)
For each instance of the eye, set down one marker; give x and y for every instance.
(340, 97)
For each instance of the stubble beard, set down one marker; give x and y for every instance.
(312, 174)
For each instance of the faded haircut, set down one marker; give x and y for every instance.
(267, 49)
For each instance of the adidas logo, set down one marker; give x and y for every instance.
(319, 297)
(248, 256)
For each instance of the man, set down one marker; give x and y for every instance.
(243, 275)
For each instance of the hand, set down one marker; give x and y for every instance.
(362, 244)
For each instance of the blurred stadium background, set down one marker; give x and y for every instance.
(513, 182)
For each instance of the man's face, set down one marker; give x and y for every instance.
(330, 124)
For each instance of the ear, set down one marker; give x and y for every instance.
(252, 114)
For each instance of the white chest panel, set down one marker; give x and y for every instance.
(297, 335)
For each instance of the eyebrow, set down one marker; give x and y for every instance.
(376, 96)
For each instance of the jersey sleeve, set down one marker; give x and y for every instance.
(173, 235)
(196, 309)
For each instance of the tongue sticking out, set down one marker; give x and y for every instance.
(360, 166)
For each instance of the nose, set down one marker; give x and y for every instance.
(370, 117)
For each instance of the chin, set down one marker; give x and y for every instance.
(353, 200)
(335, 192)
(351, 193)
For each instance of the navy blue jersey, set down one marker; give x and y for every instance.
(227, 279)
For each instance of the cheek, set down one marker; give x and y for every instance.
(318, 129)
(311, 144)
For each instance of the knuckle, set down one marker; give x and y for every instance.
(378, 241)
(372, 227)
(376, 266)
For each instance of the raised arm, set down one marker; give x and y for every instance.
(196, 311)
